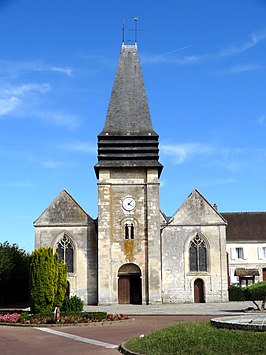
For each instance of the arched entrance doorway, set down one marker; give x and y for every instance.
(199, 291)
(129, 284)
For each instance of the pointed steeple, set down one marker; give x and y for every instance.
(128, 112)
(128, 138)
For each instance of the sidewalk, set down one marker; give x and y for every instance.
(228, 308)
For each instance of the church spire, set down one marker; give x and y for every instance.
(128, 138)
(128, 112)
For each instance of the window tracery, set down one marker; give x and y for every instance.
(198, 254)
(65, 252)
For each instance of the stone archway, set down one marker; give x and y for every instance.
(129, 284)
(199, 296)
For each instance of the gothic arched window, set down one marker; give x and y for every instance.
(197, 254)
(65, 252)
(129, 230)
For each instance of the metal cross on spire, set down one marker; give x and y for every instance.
(136, 30)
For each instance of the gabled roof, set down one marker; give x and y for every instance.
(64, 210)
(196, 210)
(245, 226)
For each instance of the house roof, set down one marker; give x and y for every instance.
(245, 226)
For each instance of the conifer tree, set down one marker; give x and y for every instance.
(47, 280)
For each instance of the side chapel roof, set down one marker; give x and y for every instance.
(64, 210)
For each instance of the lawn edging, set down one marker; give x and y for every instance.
(123, 350)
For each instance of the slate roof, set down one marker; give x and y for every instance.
(128, 138)
(245, 226)
(128, 112)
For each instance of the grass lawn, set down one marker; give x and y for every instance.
(199, 338)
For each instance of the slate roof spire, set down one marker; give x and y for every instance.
(128, 138)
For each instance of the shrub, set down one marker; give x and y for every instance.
(47, 280)
(256, 292)
(235, 293)
(14, 275)
(73, 303)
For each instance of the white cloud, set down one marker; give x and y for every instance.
(63, 70)
(241, 68)
(58, 117)
(171, 59)
(8, 105)
(182, 152)
(253, 40)
(15, 68)
(13, 97)
(20, 90)
(53, 164)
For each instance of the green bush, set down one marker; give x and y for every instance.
(73, 303)
(235, 293)
(256, 292)
(48, 281)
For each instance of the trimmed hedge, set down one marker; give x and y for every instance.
(235, 293)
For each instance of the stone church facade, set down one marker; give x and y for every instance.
(133, 253)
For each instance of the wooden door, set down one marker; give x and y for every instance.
(199, 291)
(124, 289)
(264, 274)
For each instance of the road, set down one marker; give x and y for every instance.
(79, 340)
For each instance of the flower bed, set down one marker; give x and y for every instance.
(65, 318)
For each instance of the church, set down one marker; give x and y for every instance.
(132, 253)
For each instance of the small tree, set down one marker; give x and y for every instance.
(14, 274)
(256, 292)
(47, 280)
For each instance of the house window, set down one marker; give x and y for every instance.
(197, 255)
(262, 252)
(65, 252)
(129, 230)
(237, 253)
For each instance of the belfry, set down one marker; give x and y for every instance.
(128, 192)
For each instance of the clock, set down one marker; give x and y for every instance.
(129, 203)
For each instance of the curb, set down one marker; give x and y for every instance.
(92, 324)
(123, 350)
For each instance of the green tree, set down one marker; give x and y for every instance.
(47, 280)
(61, 284)
(256, 292)
(14, 274)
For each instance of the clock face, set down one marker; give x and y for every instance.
(129, 203)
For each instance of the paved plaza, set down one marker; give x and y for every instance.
(229, 308)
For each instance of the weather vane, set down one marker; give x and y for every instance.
(136, 29)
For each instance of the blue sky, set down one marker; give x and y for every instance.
(204, 69)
